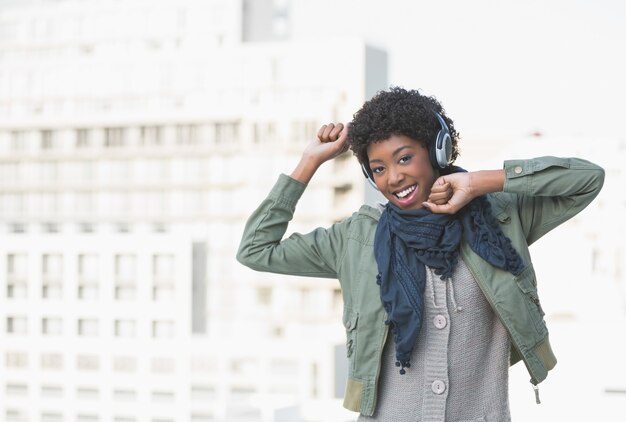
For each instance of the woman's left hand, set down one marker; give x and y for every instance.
(450, 193)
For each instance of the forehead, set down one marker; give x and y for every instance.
(391, 146)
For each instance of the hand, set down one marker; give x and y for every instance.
(450, 193)
(331, 141)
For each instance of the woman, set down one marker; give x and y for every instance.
(438, 285)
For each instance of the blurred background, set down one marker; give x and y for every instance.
(137, 136)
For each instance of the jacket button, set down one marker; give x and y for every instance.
(517, 169)
(438, 387)
(440, 321)
(348, 324)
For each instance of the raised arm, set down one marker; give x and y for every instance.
(262, 246)
(548, 190)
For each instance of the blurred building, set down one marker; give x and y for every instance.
(135, 139)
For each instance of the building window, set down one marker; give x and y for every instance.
(88, 327)
(87, 393)
(52, 276)
(160, 228)
(52, 361)
(16, 360)
(124, 328)
(51, 326)
(51, 391)
(162, 329)
(162, 396)
(83, 138)
(124, 364)
(301, 131)
(47, 140)
(88, 276)
(17, 228)
(186, 134)
(17, 275)
(16, 325)
(114, 137)
(16, 389)
(50, 228)
(163, 277)
(124, 395)
(87, 362)
(124, 419)
(16, 415)
(264, 132)
(203, 393)
(202, 364)
(162, 365)
(51, 417)
(152, 135)
(226, 133)
(202, 417)
(125, 277)
(86, 228)
(122, 228)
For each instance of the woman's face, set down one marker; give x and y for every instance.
(402, 171)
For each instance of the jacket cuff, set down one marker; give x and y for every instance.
(287, 190)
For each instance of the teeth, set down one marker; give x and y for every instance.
(405, 192)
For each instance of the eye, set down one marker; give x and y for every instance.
(377, 170)
(405, 159)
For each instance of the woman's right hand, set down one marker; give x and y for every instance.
(331, 141)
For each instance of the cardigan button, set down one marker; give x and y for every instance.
(440, 322)
(518, 169)
(438, 387)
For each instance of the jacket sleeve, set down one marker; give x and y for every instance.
(262, 247)
(551, 190)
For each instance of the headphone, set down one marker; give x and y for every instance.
(439, 151)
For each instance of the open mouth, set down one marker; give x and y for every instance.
(405, 192)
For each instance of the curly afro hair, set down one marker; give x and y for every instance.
(398, 112)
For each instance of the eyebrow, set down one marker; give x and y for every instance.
(396, 152)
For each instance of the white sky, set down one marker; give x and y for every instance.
(506, 66)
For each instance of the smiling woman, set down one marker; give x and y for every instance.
(421, 274)
(402, 171)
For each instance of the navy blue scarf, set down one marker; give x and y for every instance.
(407, 240)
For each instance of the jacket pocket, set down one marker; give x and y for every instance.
(527, 283)
(350, 321)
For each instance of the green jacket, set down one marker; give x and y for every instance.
(538, 195)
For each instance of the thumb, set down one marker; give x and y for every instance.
(437, 209)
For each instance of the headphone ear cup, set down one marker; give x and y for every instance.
(441, 149)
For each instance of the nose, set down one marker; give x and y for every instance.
(396, 176)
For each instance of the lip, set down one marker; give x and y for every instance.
(403, 202)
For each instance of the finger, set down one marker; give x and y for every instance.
(438, 208)
(327, 130)
(440, 187)
(440, 196)
(334, 134)
(320, 132)
(438, 201)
